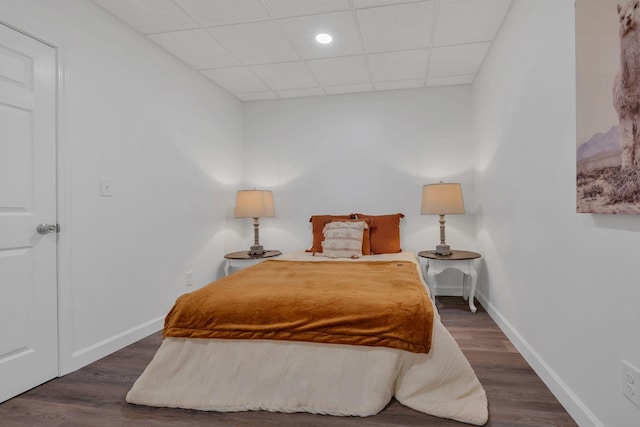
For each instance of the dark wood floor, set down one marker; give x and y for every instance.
(94, 395)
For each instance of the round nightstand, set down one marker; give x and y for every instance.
(460, 260)
(242, 259)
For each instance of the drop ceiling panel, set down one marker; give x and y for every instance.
(463, 21)
(348, 70)
(296, 93)
(457, 60)
(406, 65)
(237, 80)
(287, 75)
(255, 42)
(336, 90)
(285, 8)
(221, 12)
(301, 33)
(372, 3)
(256, 96)
(398, 27)
(401, 84)
(149, 16)
(450, 80)
(195, 47)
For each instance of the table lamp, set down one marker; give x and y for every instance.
(442, 199)
(255, 204)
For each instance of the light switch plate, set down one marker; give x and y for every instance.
(106, 186)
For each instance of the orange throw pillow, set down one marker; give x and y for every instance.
(385, 236)
(317, 226)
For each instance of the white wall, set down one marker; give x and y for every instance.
(170, 140)
(368, 153)
(563, 285)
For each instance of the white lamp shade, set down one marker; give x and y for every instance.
(442, 199)
(254, 204)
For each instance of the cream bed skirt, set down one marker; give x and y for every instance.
(334, 379)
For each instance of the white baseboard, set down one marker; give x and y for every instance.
(574, 406)
(110, 345)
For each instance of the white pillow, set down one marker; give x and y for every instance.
(343, 239)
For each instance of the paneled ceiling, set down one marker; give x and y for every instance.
(266, 49)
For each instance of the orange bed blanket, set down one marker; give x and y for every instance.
(373, 303)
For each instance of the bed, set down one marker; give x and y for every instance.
(297, 368)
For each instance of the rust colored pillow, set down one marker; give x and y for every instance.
(385, 236)
(317, 226)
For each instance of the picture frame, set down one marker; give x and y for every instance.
(608, 106)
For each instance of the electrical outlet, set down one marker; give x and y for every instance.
(631, 382)
(188, 278)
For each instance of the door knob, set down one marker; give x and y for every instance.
(46, 228)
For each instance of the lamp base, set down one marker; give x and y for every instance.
(256, 250)
(443, 249)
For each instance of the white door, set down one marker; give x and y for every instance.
(28, 285)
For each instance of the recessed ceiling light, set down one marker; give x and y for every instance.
(324, 38)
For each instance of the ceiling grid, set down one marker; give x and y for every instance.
(266, 49)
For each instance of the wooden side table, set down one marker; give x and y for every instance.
(243, 259)
(460, 260)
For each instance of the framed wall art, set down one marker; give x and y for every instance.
(608, 106)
